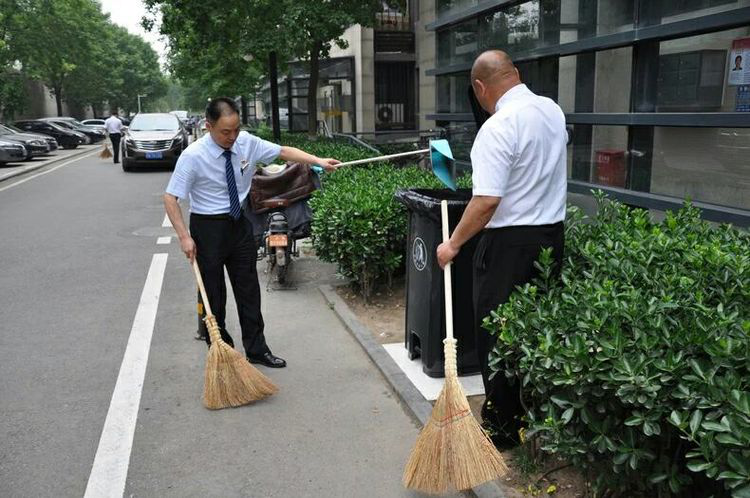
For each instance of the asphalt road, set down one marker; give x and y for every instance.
(81, 285)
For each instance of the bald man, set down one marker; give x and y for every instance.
(518, 207)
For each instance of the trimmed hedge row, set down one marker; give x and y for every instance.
(358, 225)
(636, 365)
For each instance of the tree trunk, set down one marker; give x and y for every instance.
(57, 90)
(312, 91)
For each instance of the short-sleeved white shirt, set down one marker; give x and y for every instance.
(200, 172)
(520, 155)
(113, 124)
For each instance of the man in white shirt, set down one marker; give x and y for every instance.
(518, 204)
(215, 172)
(113, 127)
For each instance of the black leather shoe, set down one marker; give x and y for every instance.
(268, 360)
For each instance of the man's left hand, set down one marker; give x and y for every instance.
(446, 252)
(328, 164)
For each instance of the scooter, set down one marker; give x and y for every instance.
(284, 218)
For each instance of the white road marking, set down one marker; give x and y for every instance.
(164, 240)
(166, 223)
(50, 170)
(110, 469)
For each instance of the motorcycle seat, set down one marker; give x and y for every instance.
(274, 203)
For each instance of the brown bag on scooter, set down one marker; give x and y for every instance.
(293, 184)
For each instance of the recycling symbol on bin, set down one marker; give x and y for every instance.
(419, 254)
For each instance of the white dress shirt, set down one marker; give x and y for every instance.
(200, 172)
(520, 156)
(113, 125)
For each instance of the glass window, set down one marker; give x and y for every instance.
(695, 73)
(599, 155)
(461, 137)
(596, 82)
(705, 164)
(445, 7)
(155, 122)
(453, 93)
(458, 43)
(666, 11)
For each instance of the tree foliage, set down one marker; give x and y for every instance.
(210, 40)
(77, 52)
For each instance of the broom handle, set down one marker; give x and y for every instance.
(447, 275)
(384, 158)
(202, 288)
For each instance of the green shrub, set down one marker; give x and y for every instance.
(636, 365)
(322, 147)
(358, 225)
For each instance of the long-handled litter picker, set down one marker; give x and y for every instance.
(452, 451)
(441, 161)
(230, 379)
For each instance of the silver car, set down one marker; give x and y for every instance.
(153, 139)
(11, 152)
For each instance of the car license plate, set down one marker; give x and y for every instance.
(153, 155)
(278, 240)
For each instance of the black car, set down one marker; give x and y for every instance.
(68, 139)
(93, 134)
(53, 145)
(36, 145)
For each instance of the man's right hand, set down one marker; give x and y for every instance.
(187, 244)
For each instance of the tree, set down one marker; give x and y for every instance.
(12, 94)
(220, 33)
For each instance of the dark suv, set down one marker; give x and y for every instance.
(153, 139)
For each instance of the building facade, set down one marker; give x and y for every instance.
(655, 91)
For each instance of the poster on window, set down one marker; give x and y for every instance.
(739, 62)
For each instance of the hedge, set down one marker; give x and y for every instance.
(635, 366)
(358, 225)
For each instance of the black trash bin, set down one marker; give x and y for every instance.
(425, 307)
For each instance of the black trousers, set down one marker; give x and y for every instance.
(504, 259)
(115, 138)
(223, 242)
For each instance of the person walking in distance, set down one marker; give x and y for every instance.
(113, 128)
(519, 176)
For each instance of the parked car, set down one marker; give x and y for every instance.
(153, 138)
(36, 145)
(11, 151)
(68, 139)
(96, 135)
(53, 145)
(93, 122)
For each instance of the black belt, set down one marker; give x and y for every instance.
(223, 216)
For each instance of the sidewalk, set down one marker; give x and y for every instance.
(334, 429)
(13, 170)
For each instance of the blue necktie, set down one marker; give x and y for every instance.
(235, 210)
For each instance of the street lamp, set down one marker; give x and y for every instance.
(139, 102)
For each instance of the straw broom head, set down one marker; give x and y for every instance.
(105, 153)
(452, 451)
(230, 379)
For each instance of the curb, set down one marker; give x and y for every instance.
(417, 407)
(22, 170)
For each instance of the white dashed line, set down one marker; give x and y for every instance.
(110, 469)
(164, 240)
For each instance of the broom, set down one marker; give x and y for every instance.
(105, 153)
(230, 379)
(452, 451)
